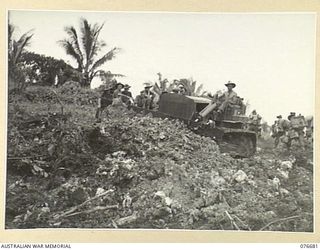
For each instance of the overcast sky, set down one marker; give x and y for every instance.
(271, 57)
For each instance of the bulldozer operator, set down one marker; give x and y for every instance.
(221, 102)
(228, 97)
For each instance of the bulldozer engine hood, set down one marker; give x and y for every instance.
(178, 106)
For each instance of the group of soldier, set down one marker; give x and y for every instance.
(146, 98)
(117, 94)
(296, 131)
(120, 95)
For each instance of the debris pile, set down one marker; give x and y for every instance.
(136, 171)
(69, 93)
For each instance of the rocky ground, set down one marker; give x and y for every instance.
(136, 171)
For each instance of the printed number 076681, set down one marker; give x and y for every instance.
(308, 245)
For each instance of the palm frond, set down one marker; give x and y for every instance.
(10, 33)
(101, 45)
(205, 94)
(96, 45)
(193, 85)
(25, 36)
(20, 45)
(186, 85)
(70, 50)
(116, 75)
(164, 84)
(87, 40)
(198, 90)
(102, 73)
(74, 40)
(157, 89)
(107, 74)
(107, 57)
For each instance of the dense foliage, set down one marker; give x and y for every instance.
(16, 48)
(43, 70)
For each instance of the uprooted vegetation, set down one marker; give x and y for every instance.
(136, 171)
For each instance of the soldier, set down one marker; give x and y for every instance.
(220, 102)
(282, 124)
(117, 91)
(309, 129)
(255, 122)
(175, 90)
(229, 97)
(296, 133)
(242, 106)
(104, 101)
(253, 114)
(126, 95)
(139, 99)
(148, 96)
(274, 130)
(279, 129)
(182, 90)
(117, 94)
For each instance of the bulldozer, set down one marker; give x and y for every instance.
(229, 129)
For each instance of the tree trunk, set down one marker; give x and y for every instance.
(85, 81)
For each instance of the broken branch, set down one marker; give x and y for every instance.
(280, 220)
(73, 209)
(233, 223)
(243, 224)
(98, 208)
(24, 157)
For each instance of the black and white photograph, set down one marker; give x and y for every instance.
(160, 120)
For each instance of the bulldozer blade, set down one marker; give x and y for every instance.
(238, 144)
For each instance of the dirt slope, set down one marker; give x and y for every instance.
(136, 171)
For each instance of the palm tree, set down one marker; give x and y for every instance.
(15, 50)
(17, 47)
(84, 49)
